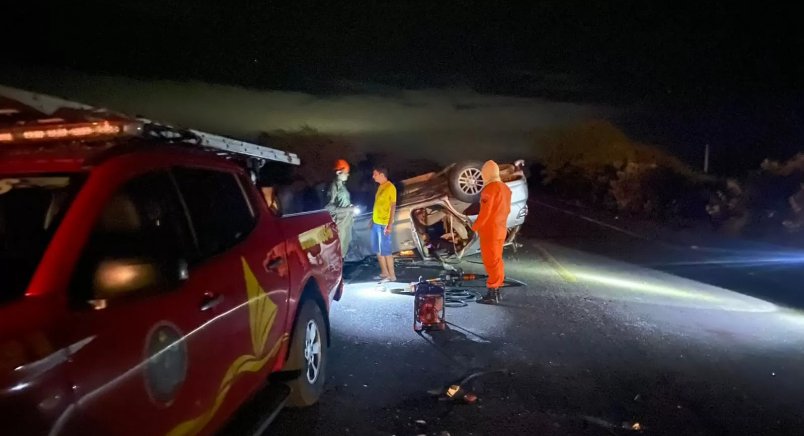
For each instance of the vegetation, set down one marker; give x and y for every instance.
(768, 203)
(597, 164)
(593, 163)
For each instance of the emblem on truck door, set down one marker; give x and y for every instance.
(166, 366)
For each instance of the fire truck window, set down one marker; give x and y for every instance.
(219, 210)
(30, 211)
(143, 220)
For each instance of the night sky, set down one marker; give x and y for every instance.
(678, 74)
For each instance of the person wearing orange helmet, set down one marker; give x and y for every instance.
(491, 227)
(339, 204)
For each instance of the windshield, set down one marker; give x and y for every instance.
(30, 209)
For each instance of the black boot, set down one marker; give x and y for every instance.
(492, 297)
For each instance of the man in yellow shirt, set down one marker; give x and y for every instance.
(382, 223)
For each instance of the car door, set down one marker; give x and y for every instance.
(242, 268)
(150, 351)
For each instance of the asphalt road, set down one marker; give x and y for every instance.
(612, 330)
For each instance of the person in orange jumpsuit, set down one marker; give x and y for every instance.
(491, 227)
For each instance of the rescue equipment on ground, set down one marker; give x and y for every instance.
(428, 307)
(455, 278)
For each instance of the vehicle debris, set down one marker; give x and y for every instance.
(454, 393)
(459, 391)
(634, 426)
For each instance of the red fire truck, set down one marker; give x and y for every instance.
(147, 288)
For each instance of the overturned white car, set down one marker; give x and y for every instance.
(435, 213)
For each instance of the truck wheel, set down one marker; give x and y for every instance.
(308, 353)
(465, 181)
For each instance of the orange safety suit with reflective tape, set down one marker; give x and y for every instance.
(491, 225)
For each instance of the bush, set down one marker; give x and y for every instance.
(769, 203)
(598, 164)
(629, 191)
(576, 184)
(660, 192)
(594, 146)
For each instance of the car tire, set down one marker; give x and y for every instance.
(465, 181)
(308, 347)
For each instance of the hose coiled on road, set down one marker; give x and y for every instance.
(461, 296)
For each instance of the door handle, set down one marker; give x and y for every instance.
(210, 300)
(275, 264)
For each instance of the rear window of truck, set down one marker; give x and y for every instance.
(30, 211)
(219, 210)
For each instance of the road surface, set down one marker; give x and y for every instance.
(610, 335)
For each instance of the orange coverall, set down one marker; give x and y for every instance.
(491, 227)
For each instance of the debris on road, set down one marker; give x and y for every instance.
(635, 426)
(597, 421)
(459, 392)
(454, 393)
(453, 390)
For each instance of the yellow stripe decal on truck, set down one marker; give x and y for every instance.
(262, 314)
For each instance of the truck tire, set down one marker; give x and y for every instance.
(308, 353)
(465, 181)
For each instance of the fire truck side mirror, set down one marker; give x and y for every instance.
(118, 278)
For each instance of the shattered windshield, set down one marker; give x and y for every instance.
(30, 209)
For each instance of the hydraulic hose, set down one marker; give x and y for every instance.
(458, 297)
(461, 296)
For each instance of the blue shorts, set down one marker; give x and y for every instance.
(380, 242)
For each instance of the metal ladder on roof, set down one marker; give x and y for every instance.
(49, 105)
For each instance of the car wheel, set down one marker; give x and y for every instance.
(308, 354)
(466, 182)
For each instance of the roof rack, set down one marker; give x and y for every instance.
(24, 108)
